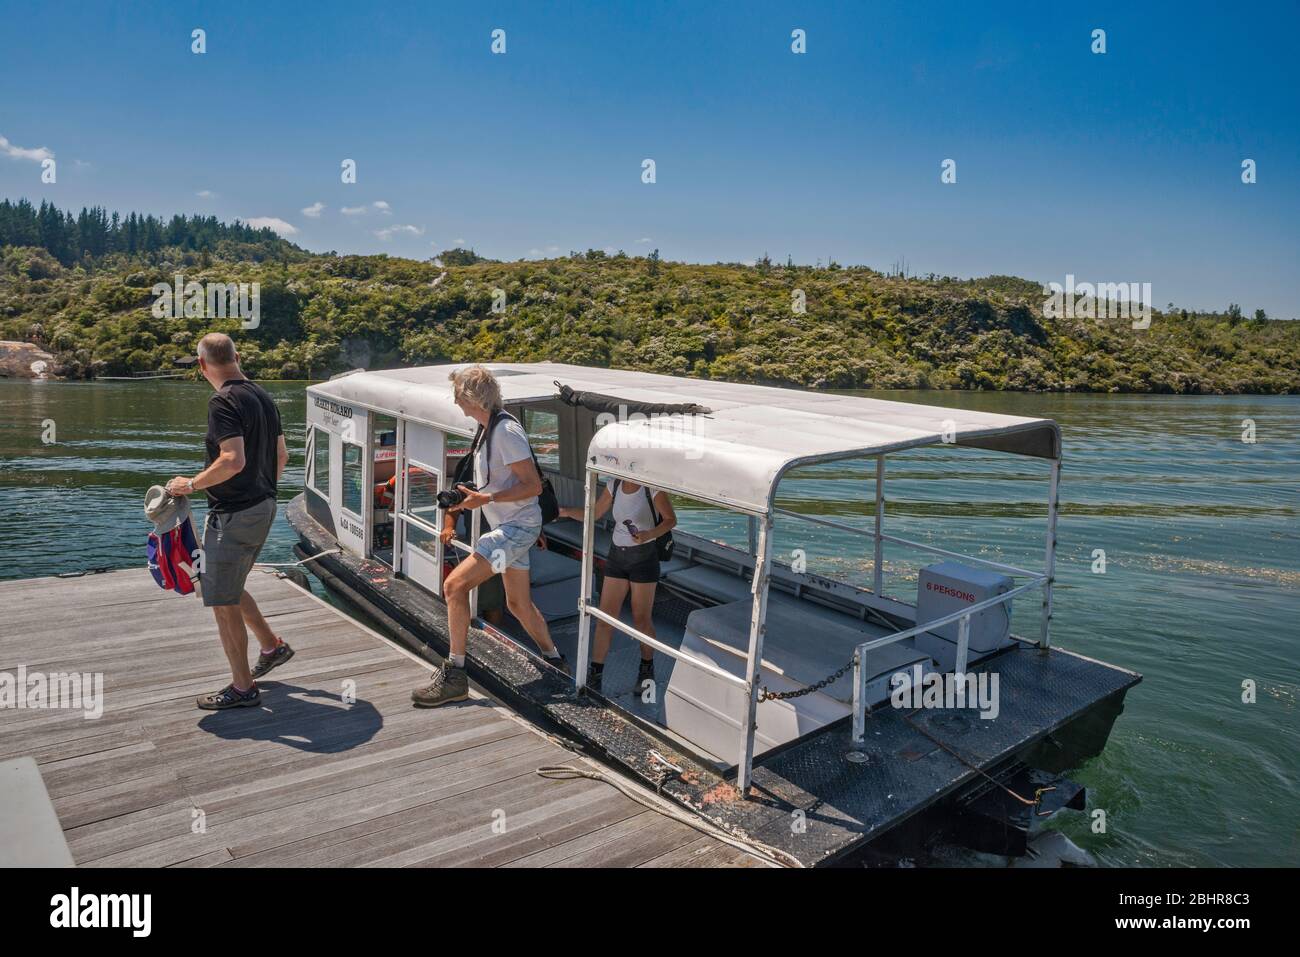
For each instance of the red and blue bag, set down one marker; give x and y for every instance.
(172, 558)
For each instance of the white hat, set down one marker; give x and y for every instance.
(165, 510)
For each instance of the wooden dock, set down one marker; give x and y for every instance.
(335, 769)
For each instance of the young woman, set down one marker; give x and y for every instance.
(640, 515)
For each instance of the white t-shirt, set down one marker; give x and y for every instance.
(509, 445)
(631, 507)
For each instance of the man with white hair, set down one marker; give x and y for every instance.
(246, 456)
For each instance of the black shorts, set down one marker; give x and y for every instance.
(634, 563)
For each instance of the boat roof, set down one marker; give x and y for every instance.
(736, 454)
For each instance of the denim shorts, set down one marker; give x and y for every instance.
(507, 545)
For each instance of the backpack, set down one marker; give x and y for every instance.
(664, 544)
(171, 557)
(550, 505)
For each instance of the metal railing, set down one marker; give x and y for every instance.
(761, 549)
(922, 546)
(668, 650)
(750, 682)
(961, 616)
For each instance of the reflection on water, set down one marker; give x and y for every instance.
(1200, 591)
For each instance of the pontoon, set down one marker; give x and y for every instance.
(775, 713)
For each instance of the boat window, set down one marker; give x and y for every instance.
(353, 479)
(543, 430)
(422, 493)
(417, 537)
(320, 462)
(383, 443)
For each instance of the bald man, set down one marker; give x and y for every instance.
(246, 456)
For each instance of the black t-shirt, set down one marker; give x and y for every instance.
(242, 407)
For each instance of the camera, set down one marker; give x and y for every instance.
(451, 497)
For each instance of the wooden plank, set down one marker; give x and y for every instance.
(307, 779)
(658, 837)
(594, 838)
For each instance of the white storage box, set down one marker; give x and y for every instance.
(951, 586)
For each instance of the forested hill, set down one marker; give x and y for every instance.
(94, 234)
(860, 328)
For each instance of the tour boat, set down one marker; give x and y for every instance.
(804, 714)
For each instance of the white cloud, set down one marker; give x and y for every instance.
(388, 232)
(645, 239)
(206, 194)
(459, 242)
(279, 225)
(314, 210)
(38, 155)
(382, 206)
(353, 210)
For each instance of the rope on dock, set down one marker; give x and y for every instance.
(328, 551)
(764, 852)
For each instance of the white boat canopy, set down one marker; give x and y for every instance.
(735, 454)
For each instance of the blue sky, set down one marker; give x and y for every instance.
(1118, 167)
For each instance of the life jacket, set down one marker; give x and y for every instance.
(171, 558)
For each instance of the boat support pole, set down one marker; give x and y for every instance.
(878, 571)
(757, 627)
(1044, 638)
(588, 545)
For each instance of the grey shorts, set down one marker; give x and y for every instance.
(231, 543)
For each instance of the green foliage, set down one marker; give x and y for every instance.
(861, 328)
(460, 257)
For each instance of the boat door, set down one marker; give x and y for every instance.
(422, 455)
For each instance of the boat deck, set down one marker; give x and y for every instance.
(308, 779)
(815, 800)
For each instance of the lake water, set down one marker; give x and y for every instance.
(1201, 589)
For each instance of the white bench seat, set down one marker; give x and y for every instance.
(706, 710)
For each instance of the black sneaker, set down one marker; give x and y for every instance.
(593, 679)
(645, 672)
(228, 697)
(265, 662)
(562, 663)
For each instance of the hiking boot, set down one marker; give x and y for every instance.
(449, 684)
(266, 661)
(228, 697)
